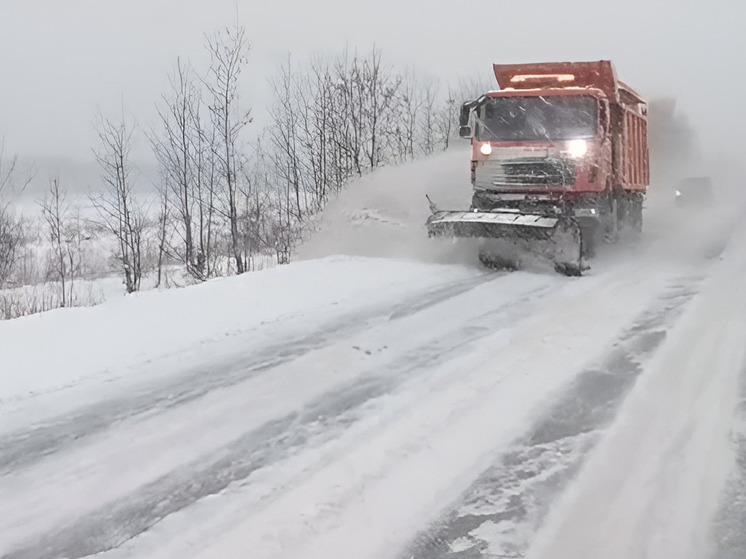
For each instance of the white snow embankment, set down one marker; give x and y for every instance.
(61, 348)
(653, 485)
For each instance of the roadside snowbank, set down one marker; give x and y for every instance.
(58, 348)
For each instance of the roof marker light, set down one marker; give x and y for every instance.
(558, 77)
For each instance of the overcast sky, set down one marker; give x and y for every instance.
(62, 60)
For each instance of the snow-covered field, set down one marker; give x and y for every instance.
(387, 397)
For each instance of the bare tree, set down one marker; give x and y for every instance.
(55, 210)
(446, 120)
(284, 139)
(163, 234)
(117, 207)
(408, 106)
(184, 152)
(11, 226)
(7, 169)
(11, 237)
(429, 94)
(229, 53)
(350, 102)
(372, 89)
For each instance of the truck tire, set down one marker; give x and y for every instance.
(611, 221)
(635, 212)
(591, 235)
(630, 212)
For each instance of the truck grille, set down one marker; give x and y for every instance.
(525, 173)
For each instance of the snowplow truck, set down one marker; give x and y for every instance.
(559, 162)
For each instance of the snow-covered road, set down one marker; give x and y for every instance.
(350, 406)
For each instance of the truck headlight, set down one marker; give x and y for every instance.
(485, 149)
(577, 148)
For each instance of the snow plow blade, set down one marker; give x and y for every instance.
(554, 238)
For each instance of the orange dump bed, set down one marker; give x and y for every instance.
(598, 74)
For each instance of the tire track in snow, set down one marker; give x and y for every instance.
(319, 422)
(498, 515)
(729, 526)
(22, 448)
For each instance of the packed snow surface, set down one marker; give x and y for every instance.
(387, 397)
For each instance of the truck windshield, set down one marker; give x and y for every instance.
(559, 117)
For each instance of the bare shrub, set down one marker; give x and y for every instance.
(118, 209)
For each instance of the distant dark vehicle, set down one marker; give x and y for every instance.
(694, 192)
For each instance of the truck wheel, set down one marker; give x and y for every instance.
(590, 236)
(635, 213)
(611, 225)
(631, 213)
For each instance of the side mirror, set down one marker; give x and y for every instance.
(463, 118)
(464, 131)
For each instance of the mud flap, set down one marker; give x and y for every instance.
(510, 237)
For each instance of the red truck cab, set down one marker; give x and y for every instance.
(563, 133)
